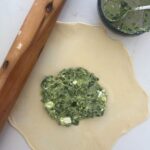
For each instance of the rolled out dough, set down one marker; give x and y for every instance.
(89, 47)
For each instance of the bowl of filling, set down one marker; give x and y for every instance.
(128, 17)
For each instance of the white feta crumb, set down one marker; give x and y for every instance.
(100, 93)
(104, 98)
(49, 105)
(75, 82)
(102, 109)
(65, 120)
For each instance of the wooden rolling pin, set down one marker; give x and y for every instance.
(25, 51)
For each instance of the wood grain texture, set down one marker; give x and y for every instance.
(25, 51)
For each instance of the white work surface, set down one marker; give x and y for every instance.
(12, 15)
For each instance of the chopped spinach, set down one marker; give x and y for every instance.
(114, 9)
(72, 95)
(134, 22)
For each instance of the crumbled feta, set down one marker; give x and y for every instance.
(104, 98)
(65, 120)
(100, 93)
(49, 105)
(75, 82)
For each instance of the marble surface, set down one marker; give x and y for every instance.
(12, 15)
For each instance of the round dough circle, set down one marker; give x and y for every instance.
(79, 45)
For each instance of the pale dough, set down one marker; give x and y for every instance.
(89, 47)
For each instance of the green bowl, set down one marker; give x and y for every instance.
(109, 24)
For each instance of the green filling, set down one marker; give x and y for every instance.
(72, 95)
(115, 9)
(134, 22)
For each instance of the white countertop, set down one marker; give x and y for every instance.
(12, 14)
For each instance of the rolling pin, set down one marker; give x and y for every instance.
(25, 51)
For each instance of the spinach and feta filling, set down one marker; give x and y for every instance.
(134, 21)
(72, 95)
